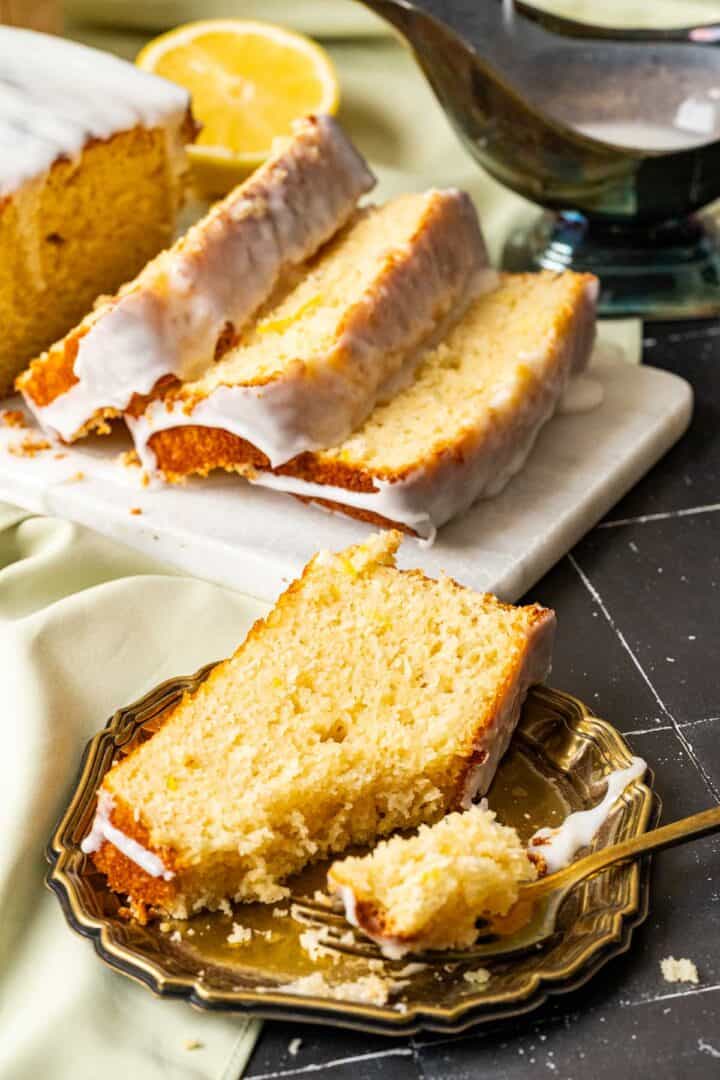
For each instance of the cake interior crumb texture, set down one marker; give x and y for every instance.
(83, 229)
(361, 704)
(428, 891)
(501, 352)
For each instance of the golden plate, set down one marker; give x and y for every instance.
(559, 756)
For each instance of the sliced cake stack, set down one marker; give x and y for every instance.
(365, 359)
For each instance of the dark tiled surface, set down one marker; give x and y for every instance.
(689, 475)
(671, 570)
(639, 641)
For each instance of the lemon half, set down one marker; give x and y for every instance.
(248, 81)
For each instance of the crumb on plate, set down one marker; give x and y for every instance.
(239, 935)
(479, 977)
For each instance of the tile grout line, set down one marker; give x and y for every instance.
(676, 994)
(669, 727)
(303, 1070)
(679, 734)
(666, 515)
(545, 1021)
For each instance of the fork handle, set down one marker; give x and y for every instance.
(677, 832)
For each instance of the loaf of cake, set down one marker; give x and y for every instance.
(191, 303)
(462, 428)
(92, 168)
(370, 699)
(428, 891)
(312, 366)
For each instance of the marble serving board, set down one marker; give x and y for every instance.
(256, 540)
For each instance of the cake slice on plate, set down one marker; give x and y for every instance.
(462, 428)
(428, 891)
(350, 331)
(190, 303)
(92, 167)
(370, 699)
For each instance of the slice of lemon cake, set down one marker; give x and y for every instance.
(92, 165)
(312, 367)
(369, 699)
(193, 299)
(429, 890)
(462, 428)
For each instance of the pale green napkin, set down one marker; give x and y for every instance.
(86, 626)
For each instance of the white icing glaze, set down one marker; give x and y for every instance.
(559, 846)
(102, 830)
(170, 321)
(307, 408)
(496, 739)
(427, 498)
(288, 415)
(55, 95)
(582, 394)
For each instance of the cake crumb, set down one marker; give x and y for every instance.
(129, 458)
(29, 447)
(76, 477)
(14, 418)
(294, 1047)
(280, 913)
(240, 935)
(370, 989)
(479, 977)
(145, 478)
(190, 932)
(135, 510)
(176, 936)
(683, 970)
(165, 927)
(193, 1044)
(315, 943)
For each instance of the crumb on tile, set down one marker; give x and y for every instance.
(193, 1044)
(29, 447)
(294, 1047)
(129, 458)
(135, 510)
(682, 970)
(14, 418)
(60, 455)
(76, 477)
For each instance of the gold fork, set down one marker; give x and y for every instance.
(533, 919)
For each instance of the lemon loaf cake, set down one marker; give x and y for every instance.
(312, 367)
(368, 700)
(427, 891)
(459, 432)
(92, 163)
(193, 299)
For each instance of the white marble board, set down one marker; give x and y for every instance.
(255, 540)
